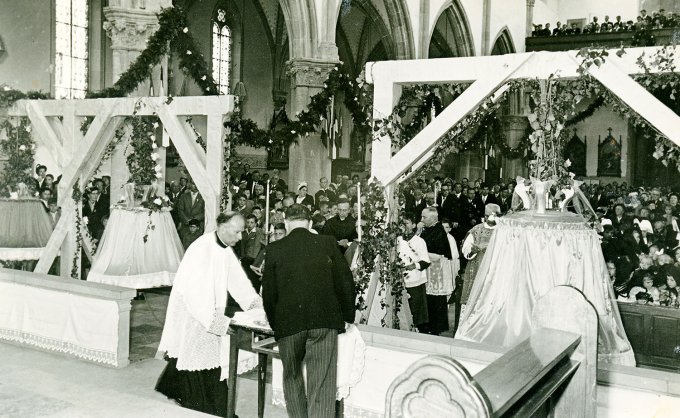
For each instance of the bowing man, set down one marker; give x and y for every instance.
(195, 336)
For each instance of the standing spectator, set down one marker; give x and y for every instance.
(413, 253)
(342, 226)
(93, 212)
(324, 193)
(308, 295)
(190, 234)
(191, 206)
(40, 171)
(302, 197)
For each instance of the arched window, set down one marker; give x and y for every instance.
(221, 51)
(70, 61)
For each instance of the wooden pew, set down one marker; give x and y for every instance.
(553, 372)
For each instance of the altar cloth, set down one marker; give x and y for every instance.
(60, 321)
(124, 259)
(25, 229)
(528, 255)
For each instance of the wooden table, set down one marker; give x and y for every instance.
(259, 340)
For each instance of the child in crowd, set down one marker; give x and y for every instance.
(189, 235)
(647, 287)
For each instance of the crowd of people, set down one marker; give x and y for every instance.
(639, 228)
(658, 20)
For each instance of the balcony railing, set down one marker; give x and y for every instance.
(605, 39)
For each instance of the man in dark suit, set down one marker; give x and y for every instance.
(308, 295)
(93, 212)
(190, 205)
(324, 192)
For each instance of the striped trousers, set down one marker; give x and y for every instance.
(318, 349)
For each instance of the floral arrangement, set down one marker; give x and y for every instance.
(157, 203)
(19, 147)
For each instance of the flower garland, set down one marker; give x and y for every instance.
(19, 147)
(357, 98)
(428, 101)
(378, 255)
(77, 197)
(142, 161)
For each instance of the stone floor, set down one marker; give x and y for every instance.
(40, 384)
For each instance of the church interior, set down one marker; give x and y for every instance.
(540, 134)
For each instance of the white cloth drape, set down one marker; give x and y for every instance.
(527, 256)
(60, 321)
(124, 259)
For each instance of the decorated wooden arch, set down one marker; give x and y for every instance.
(490, 76)
(57, 125)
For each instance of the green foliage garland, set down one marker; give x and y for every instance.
(9, 96)
(357, 98)
(418, 104)
(77, 197)
(141, 161)
(172, 35)
(19, 147)
(378, 255)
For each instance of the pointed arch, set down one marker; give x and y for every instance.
(301, 29)
(503, 43)
(358, 32)
(451, 35)
(402, 31)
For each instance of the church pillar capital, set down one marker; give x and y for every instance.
(129, 29)
(306, 72)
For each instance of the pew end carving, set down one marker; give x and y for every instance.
(553, 371)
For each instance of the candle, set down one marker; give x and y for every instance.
(266, 215)
(501, 174)
(359, 211)
(435, 193)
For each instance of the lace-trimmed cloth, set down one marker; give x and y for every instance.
(195, 331)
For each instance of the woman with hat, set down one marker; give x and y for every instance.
(302, 197)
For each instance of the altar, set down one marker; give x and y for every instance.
(139, 249)
(25, 229)
(528, 255)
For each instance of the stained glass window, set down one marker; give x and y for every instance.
(221, 51)
(70, 61)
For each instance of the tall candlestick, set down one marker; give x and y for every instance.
(359, 211)
(266, 215)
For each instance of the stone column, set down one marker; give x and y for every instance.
(515, 128)
(530, 18)
(309, 160)
(129, 24)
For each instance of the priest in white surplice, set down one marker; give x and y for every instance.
(195, 334)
